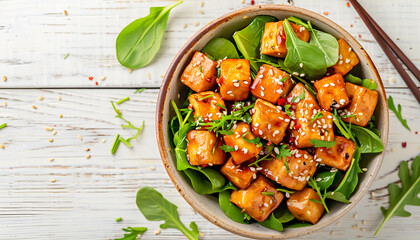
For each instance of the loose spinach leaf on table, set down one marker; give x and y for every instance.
(132, 233)
(156, 208)
(369, 142)
(407, 194)
(248, 40)
(367, 83)
(138, 43)
(302, 57)
(220, 48)
(397, 112)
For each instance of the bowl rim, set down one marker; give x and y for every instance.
(357, 196)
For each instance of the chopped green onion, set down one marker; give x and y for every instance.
(287, 165)
(267, 193)
(123, 100)
(66, 56)
(207, 96)
(318, 115)
(118, 219)
(285, 190)
(140, 90)
(127, 143)
(221, 106)
(3, 125)
(116, 144)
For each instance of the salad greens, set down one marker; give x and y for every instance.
(397, 112)
(132, 233)
(322, 143)
(138, 43)
(313, 184)
(220, 48)
(156, 208)
(367, 83)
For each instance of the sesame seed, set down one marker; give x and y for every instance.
(157, 232)
(301, 65)
(355, 226)
(51, 140)
(326, 85)
(332, 84)
(347, 60)
(51, 159)
(355, 215)
(59, 98)
(364, 222)
(349, 49)
(196, 24)
(236, 84)
(236, 147)
(1, 146)
(61, 116)
(80, 137)
(152, 168)
(53, 180)
(331, 233)
(265, 205)
(201, 12)
(269, 126)
(5, 104)
(364, 169)
(88, 156)
(202, 4)
(54, 132)
(340, 62)
(34, 107)
(4, 78)
(276, 150)
(295, 73)
(103, 78)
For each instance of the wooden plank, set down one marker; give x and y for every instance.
(36, 36)
(89, 194)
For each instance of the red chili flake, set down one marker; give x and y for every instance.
(281, 102)
(326, 13)
(269, 143)
(90, 78)
(348, 4)
(252, 2)
(351, 25)
(204, 165)
(55, 125)
(404, 144)
(96, 83)
(292, 140)
(360, 35)
(206, 119)
(219, 81)
(416, 132)
(297, 126)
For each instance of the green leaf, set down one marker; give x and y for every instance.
(272, 223)
(397, 112)
(369, 142)
(322, 143)
(317, 115)
(252, 141)
(302, 57)
(337, 196)
(138, 43)
(313, 184)
(284, 151)
(220, 48)
(325, 179)
(300, 97)
(230, 209)
(248, 40)
(156, 208)
(140, 90)
(350, 179)
(367, 83)
(227, 148)
(132, 233)
(407, 194)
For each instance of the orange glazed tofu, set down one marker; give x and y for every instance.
(200, 148)
(348, 59)
(338, 156)
(235, 79)
(240, 175)
(274, 38)
(269, 122)
(305, 108)
(200, 75)
(205, 104)
(331, 92)
(301, 206)
(300, 167)
(271, 84)
(252, 200)
(243, 150)
(363, 104)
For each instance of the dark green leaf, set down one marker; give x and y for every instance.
(397, 112)
(368, 140)
(272, 223)
(220, 48)
(350, 179)
(337, 196)
(230, 209)
(313, 184)
(138, 43)
(322, 143)
(325, 179)
(353, 79)
(252, 141)
(132, 233)
(156, 208)
(367, 83)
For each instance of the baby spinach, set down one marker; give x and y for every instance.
(369, 142)
(277, 218)
(132, 233)
(367, 83)
(220, 48)
(138, 43)
(231, 210)
(397, 112)
(325, 179)
(303, 58)
(156, 208)
(248, 40)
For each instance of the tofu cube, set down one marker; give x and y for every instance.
(235, 79)
(200, 148)
(269, 122)
(200, 75)
(331, 92)
(274, 38)
(301, 206)
(240, 175)
(295, 175)
(339, 156)
(268, 85)
(205, 104)
(363, 104)
(348, 59)
(304, 110)
(244, 150)
(252, 200)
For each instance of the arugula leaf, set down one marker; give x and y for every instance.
(300, 97)
(156, 208)
(369, 142)
(220, 48)
(397, 112)
(227, 148)
(268, 149)
(252, 141)
(132, 233)
(317, 115)
(406, 195)
(312, 183)
(322, 143)
(284, 152)
(138, 43)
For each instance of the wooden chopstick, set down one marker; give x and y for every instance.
(385, 47)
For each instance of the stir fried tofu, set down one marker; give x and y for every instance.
(274, 38)
(338, 156)
(240, 175)
(243, 150)
(363, 104)
(301, 206)
(200, 75)
(200, 148)
(259, 199)
(331, 92)
(271, 84)
(235, 79)
(305, 108)
(269, 122)
(348, 59)
(207, 105)
(292, 172)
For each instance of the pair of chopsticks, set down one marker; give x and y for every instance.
(390, 49)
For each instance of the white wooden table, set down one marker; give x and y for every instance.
(89, 194)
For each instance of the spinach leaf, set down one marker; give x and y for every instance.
(337, 196)
(397, 112)
(132, 233)
(248, 40)
(369, 142)
(230, 209)
(325, 179)
(138, 43)
(220, 48)
(272, 223)
(367, 83)
(322, 143)
(277, 218)
(156, 208)
(303, 58)
(407, 194)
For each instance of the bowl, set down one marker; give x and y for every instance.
(173, 89)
